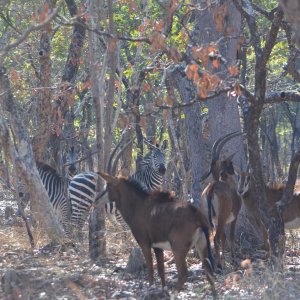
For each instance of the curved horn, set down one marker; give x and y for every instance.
(108, 168)
(219, 143)
(109, 164)
(114, 167)
(216, 150)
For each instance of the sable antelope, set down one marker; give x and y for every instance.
(158, 221)
(83, 187)
(219, 200)
(291, 216)
(216, 164)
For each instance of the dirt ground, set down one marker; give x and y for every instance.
(70, 274)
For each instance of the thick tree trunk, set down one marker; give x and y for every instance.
(222, 110)
(193, 127)
(16, 145)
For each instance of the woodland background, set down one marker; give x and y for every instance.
(77, 73)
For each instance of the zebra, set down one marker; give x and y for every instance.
(83, 187)
(150, 169)
(71, 167)
(82, 191)
(55, 187)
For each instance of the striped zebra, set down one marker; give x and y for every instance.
(82, 193)
(83, 187)
(55, 187)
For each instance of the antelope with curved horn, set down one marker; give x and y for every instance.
(216, 164)
(220, 202)
(160, 223)
(291, 216)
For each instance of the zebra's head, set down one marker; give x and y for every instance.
(156, 158)
(72, 166)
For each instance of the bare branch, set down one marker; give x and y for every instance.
(278, 97)
(32, 28)
(271, 38)
(247, 12)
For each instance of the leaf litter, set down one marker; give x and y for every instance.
(70, 274)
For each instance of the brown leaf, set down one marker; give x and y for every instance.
(191, 71)
(170, 101)
(159, 101)
(122, 120)
(215, 63)
(175, 55)
(146, 87)
(157, 41)
(143, 122)
(44, 13)
(233, 71)
(166, 114)
(158, 26)
(14, 76)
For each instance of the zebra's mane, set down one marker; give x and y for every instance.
(46, 168)
(138, 186)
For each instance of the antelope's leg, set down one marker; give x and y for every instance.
(207, 266)
(149, 262)
(223, 241)
(159, 253)
(232, 240)
(207, 261)
(219, 240)
(180, 255)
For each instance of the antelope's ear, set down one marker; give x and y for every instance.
(108, 178)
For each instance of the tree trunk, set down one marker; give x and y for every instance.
(65, 98)
(222, 110)
(42, 136)
(194, 128)
(17, 148)
(97, 242)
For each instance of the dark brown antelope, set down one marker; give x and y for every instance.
(158, 221)
(220, 202)
(291, 216)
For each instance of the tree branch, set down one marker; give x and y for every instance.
(278, 97)
(271, 38)
(247, 12)
(32, 28)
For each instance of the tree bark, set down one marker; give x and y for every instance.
(65, 99)
(251, 118)
(97, 242)
(222, 110)
(17, 147)
(41, 138)
(193, 127)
